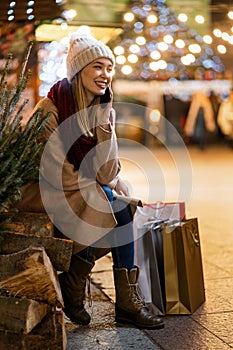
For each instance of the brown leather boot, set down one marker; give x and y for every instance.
(73, 284)
(130, 306)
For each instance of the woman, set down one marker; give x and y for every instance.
(80, 184)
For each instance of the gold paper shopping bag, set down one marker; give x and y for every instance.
(184, 283)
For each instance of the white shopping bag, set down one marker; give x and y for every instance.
(148, 221)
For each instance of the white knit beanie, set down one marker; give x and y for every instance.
(83, 49)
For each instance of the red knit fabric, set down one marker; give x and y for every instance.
(62, 97)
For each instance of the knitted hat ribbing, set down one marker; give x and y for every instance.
(84, 49)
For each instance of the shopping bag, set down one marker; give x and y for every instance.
(166, 211)
(148, 222)
(150, 281)
(183, 271)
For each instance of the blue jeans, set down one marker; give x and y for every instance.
(122, 253)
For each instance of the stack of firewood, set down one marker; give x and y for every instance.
(30, 295)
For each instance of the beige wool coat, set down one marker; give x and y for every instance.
(77, 205)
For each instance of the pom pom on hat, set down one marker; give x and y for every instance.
(84, 49)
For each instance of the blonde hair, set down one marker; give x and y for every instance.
(85, 114)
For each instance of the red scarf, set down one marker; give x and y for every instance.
(61, 95)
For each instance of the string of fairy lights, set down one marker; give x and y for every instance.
(156, 43)
(28, 7)
(28, 11)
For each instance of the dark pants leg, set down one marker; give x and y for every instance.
(121, 238)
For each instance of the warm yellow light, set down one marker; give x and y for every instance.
(230, 14)
(200, 19)
(185, 60)
(152, 19)
(69, 14)
(132, 58)
(162, 46)
(180, 43)
(207, 39)
(194, 48)
(221, 49)
(168, 39)
(225, 36)
(158, 65)
(155, 115)
(72, 13)
(134, 48)
(162, 64)
(154, 66)
(120, 59)
(155, 55)
(191, 57)
(126, 70)
(119, 50)
(129, 17)
(84, 29)
(188, 59)
(182, 17)
(64, 26)
(230, 40)
(55, 32)
(140, 40)
(217, 32)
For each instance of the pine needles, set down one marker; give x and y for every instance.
(19, 147)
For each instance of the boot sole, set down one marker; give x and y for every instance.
(75, 320)
(139, 325)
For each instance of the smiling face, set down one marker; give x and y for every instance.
(96, 77)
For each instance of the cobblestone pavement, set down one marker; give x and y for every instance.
(211, 326)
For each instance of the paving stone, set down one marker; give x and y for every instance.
(215, 302)
(111, 339)
(220, 324)
(183, 333)
(213, 271)
(102, 333)
(223, 258)
(223, 286)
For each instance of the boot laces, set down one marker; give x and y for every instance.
(136, 295)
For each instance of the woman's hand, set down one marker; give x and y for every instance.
(106, 115)
(122, 188)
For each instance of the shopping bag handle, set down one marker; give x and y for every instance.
(195, 238)
(194, 234)
(156, 205)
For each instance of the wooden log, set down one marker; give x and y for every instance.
(30, 274)
(38, 224)
(59, 250)
(48, 335)
(21, 315)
